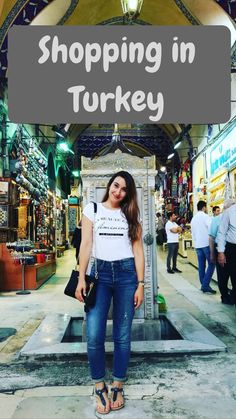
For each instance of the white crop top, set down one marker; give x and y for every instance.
(111, 233)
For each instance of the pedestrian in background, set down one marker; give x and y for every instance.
(118, 248)
(76, 239)
(172, 232)
(200, 225)
(160, 230)
(226, 245)
(222, 271)
(216, 211)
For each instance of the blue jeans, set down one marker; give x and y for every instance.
(172, 255)
(203, 255)
(117, 280)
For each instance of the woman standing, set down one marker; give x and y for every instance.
(120, 263)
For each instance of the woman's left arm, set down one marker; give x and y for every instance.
(140, 268)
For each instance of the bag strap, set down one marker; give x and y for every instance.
(95, 259)
(94, 240)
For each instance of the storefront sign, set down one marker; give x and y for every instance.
(73, 200)
(223, 154)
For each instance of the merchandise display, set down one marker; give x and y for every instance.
(73, 218)
(216, 189)
(39, 265)
(9, 199)
(202, 191)
(185, 240)
(41, 223)
(31, 166)
(4, 216)
(32, 218)
(60, 224)
(25, 249)
(22, 221)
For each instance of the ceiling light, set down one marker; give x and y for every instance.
(131, 8)
(163, 169)
(170, 156)
(63, 146)
(177, 144)
(59, 130)
(76, 173)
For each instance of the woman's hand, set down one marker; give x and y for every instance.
(138, 296)
(80, 291)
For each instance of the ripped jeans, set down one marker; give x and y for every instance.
(117, 280)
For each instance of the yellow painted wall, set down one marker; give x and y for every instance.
(1, 8)
(6, 6)
(208, 12)
(160, 12)
(156, 12)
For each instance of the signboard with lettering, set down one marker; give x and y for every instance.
(223, 154)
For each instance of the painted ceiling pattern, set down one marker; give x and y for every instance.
(229, 6)
(24, 11)
(22, 14)
(142, 141)
(89, 143)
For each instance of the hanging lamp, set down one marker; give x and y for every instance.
(131, 8)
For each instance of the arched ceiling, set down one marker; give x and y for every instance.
(140, 139)
(154, 12)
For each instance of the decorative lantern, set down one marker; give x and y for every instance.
(131, 8)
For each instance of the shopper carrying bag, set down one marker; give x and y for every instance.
(120, 265)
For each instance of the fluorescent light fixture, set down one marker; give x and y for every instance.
(170, 156)
(60, 131)
(76, 173)
(63, 146)
(177, 145)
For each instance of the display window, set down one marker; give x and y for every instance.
(217, 188)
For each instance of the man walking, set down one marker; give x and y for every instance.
(200, 225)
(216, 210)
(221, 270)
(226, 238)
(172, 232)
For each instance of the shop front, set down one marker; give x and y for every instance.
(27, 226)
(214, 175)
(221, 168)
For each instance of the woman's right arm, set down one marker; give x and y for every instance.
(84, 255)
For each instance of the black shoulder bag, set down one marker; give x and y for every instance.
(91, 281)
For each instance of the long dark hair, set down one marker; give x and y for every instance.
(129, 205)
